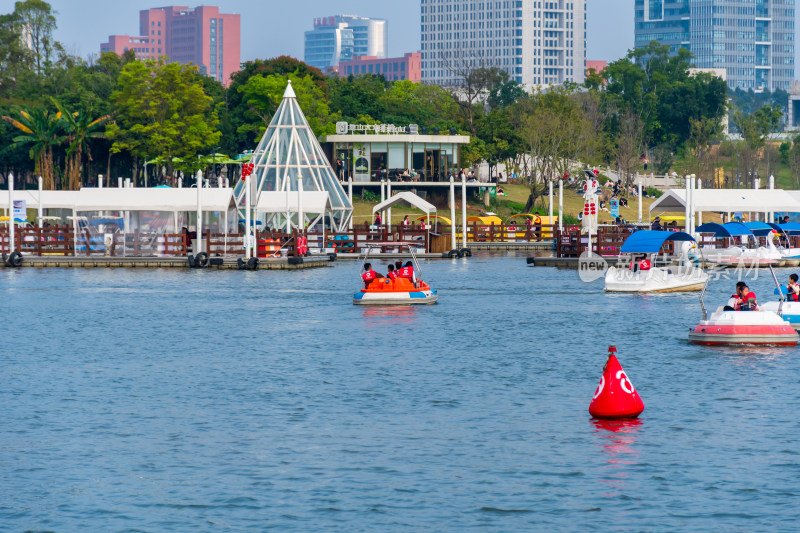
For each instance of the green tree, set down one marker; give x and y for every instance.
(239, 121)
(37, 20)
(655, 85)
(755, 129)
(40, 130)
(554, 128)
(162, 111)
(263, 95)
(79, 128)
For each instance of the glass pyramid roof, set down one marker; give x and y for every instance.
(289, 151)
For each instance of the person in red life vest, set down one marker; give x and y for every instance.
(408, 272)
(391, 274)
(640, 263)
(378, 220)
(745, 298)
(369, 275)
(793, 289)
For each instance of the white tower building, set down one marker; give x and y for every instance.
(536, 42)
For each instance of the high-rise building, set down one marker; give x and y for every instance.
(753, 40)
(202, 35)
(341, 37)
(536, 42)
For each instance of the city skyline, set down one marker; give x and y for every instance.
(84, 24)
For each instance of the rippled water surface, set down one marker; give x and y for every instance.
(161, 400)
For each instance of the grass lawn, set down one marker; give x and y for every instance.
(513, 202)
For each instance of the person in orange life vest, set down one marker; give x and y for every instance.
(391, 273)
(407, 271)
(369, 275)
(745, 298)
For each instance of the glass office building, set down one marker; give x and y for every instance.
(342, 37)
(753, 40)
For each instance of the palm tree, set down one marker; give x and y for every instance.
(41, 130)
(79, 129)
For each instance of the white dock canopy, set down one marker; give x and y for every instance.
(156, 210)
(49, 199)
(311, 205)
(727, 200)
(409, 197)
(154, 199)
(276, 202)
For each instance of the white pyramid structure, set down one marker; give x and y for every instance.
(287, 152)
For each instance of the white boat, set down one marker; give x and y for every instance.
(729, 327)
(635, 279)
(785, 230)
(737, 254)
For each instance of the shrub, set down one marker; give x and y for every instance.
(652, 191)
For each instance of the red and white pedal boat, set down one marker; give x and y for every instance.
(743, 327)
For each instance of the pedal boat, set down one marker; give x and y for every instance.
(740, 254)
(743, 327)
(790, 311)
(782, 234)
(647, 243)
(400, 291)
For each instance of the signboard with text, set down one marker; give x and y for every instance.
(20, 211)
(613, 206)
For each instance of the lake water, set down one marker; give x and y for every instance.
(163, 400)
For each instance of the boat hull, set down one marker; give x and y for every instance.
(655, 280)
(422, 297)
(744, 327)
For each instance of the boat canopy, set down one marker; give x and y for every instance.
(650, 242)
(727, 200)
(730, 229)
(759, 229)
(789, 227)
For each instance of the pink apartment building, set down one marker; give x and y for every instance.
(392, 68)
(201, 35)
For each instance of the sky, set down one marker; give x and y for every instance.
(275, 27)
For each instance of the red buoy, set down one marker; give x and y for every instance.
(615, 396)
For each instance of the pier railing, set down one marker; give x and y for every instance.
(50, 240)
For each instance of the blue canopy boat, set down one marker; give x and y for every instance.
(642, 276)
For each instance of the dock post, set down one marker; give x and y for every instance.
(561, 205)
(247, 218)
(452, 214)
(350, 195)
(464, 210)
(199, 224)
(639, 186)
(11, 221)
(40, 203)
